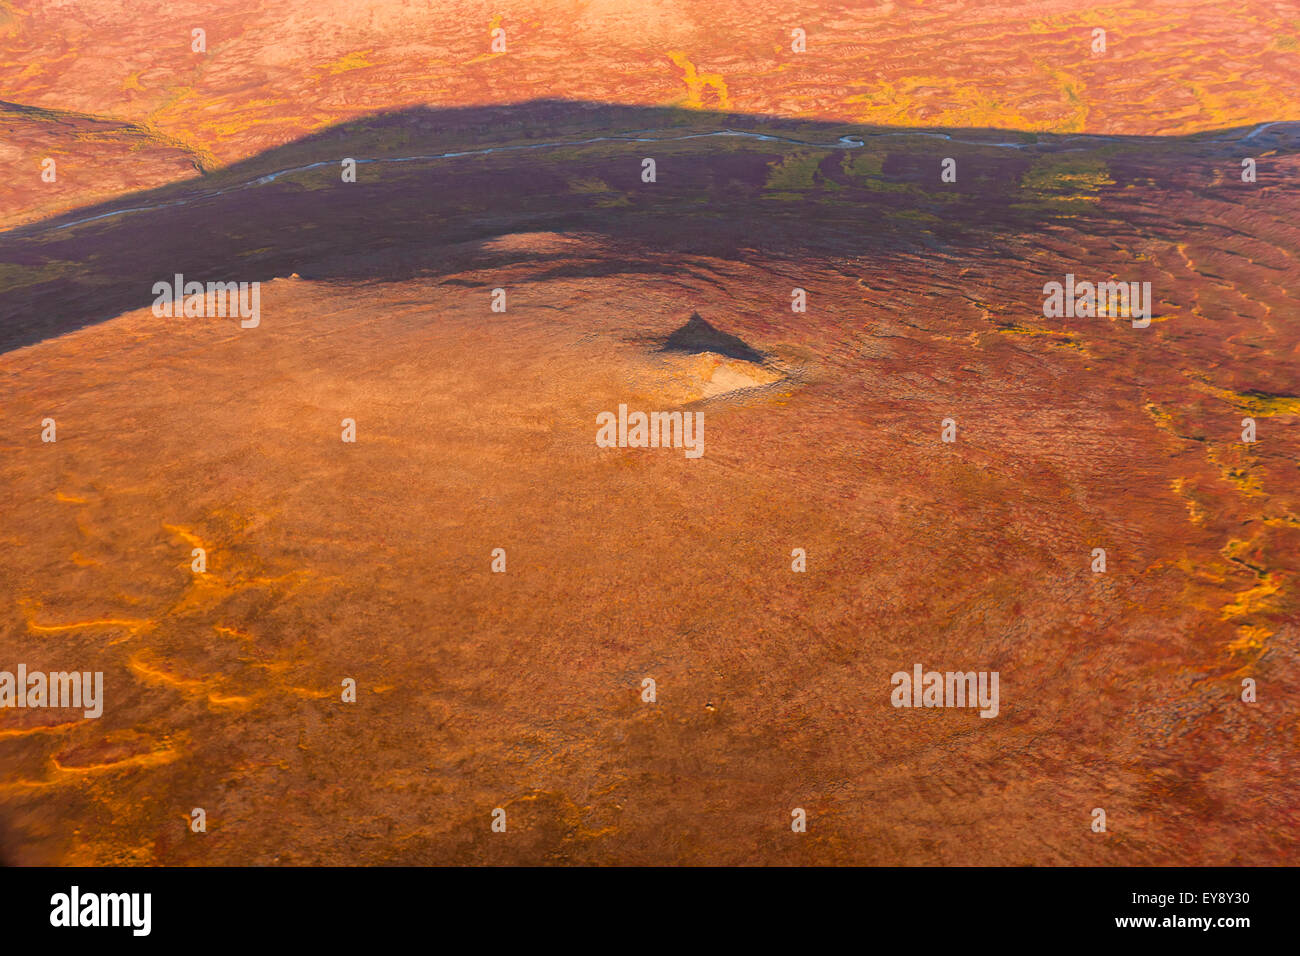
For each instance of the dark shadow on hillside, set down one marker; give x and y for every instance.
(789, 189)
(698, 336)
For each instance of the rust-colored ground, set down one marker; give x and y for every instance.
(475, 431)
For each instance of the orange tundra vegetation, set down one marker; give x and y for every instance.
(387, 577)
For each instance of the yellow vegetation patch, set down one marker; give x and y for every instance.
(131, 623)
(1072, 95)
(697, 83)
(13, 276)
(155, 758)
(1162, 418)
(219, 700)
(153, 674)
(795, 173)
(1065, 182)
(1235, 548)
(1236, 466)
(1256, 404)
(1252, 601)
(156, 675)
(310, 693)
(604, 194)
(1235, 101)
(232, 632)
(964, 104)
(1195, 513)
(9, 18)
(189, 537)
(41, 729)
(1283, 521)
(349, 61)
(1250, 637)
